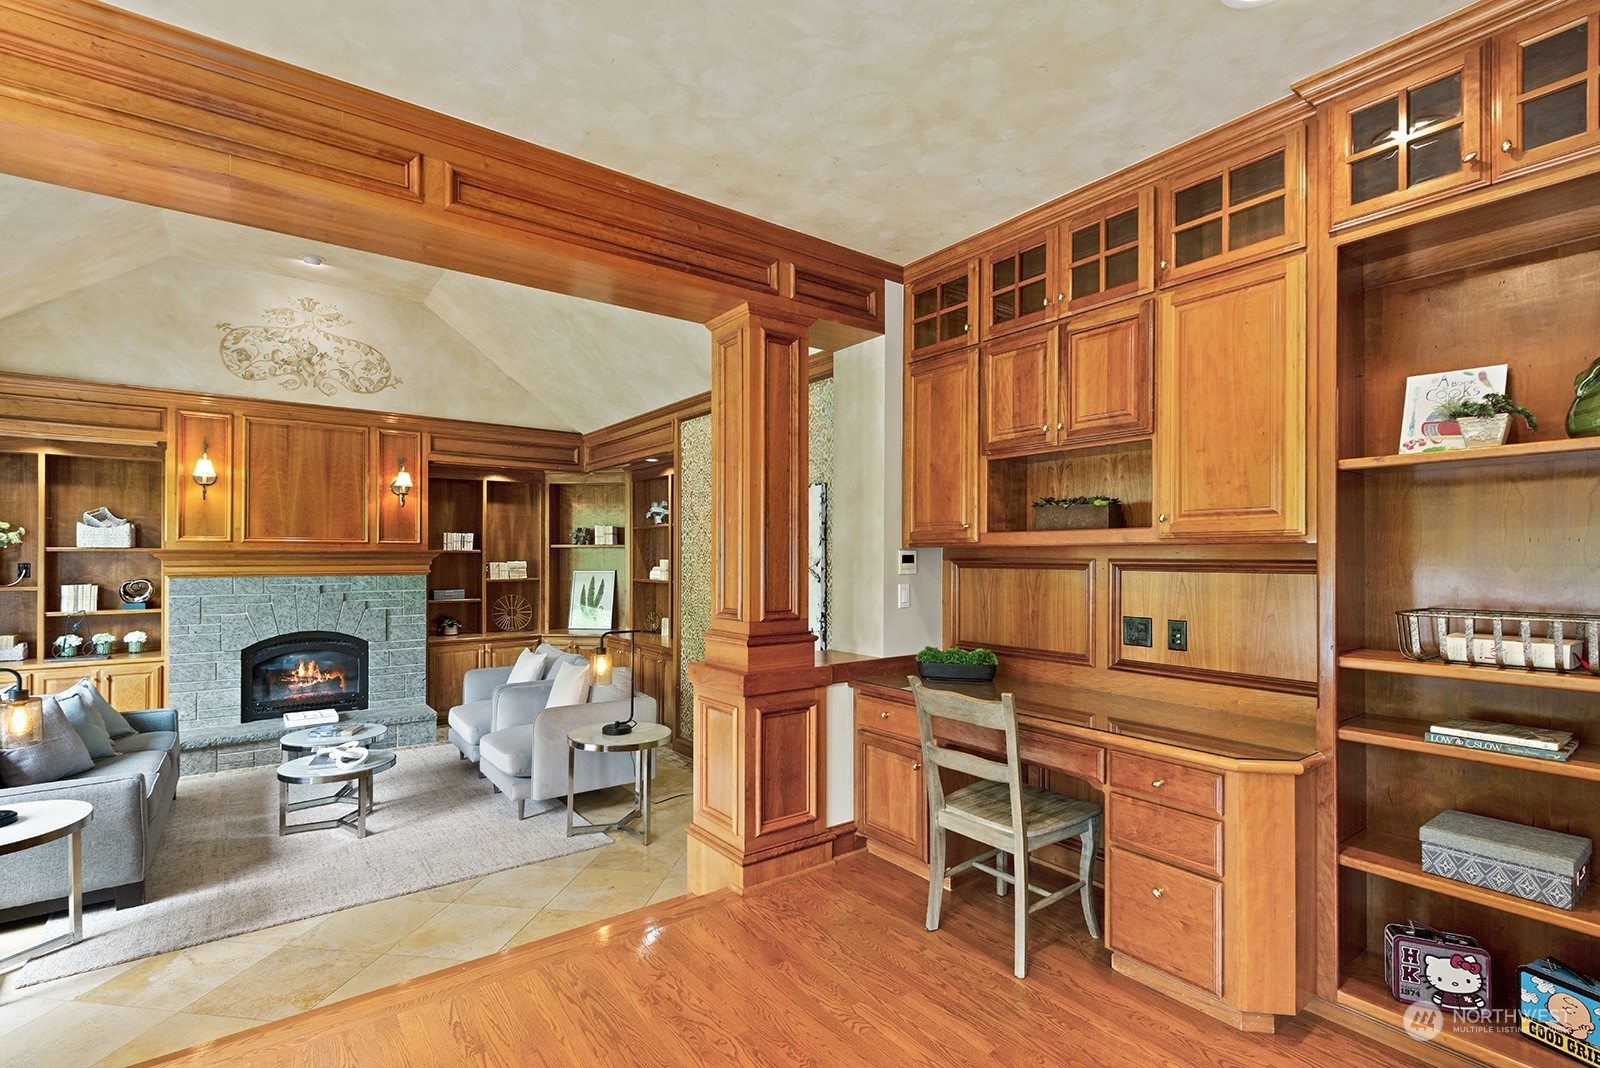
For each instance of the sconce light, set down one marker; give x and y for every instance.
(21, 716)
(401, 484)
(204, 473)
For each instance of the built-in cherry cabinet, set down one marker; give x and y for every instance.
(1109, 250)
(1547, 88)
(1230, 210)
(1021, 282)
(941, 310)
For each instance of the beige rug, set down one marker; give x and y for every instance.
(222, 869)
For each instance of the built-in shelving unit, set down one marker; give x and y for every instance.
(586, 501)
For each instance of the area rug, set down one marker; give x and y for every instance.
(222, 869)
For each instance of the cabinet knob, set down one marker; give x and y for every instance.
(1157, 891)
(883, 715)
(1058, 426)
(1061, 296)
(966, 526)
(1044, 428)
(1162, 518)
(1163, 265)
(916, 765)
(1470, 157)
(965, 327)
(1158, 783)
(1506, 145)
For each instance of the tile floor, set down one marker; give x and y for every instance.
(131, 1012)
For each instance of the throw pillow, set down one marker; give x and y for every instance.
(571, 686)
(116, 726)
(62, 753)
(528, 668)
(87, 722)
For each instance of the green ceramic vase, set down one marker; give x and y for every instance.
(1583, 418)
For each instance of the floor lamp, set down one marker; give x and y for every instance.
(602, 677)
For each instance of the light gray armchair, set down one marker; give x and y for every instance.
(526, 756)
(481, 690)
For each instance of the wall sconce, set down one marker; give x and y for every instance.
(204, 473)
(401, 484)
(21, 716)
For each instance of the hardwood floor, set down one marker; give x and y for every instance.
(831, 967)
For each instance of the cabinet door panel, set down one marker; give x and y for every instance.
(941, 450)
(891, 794)
(1106, 381)
(1191, 841)
(1166, 918)
(1232, 451)
(447, 663)
(1547, 89)
(132, 688)
(1018, 379)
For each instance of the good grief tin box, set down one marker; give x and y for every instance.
(1529, 862)
(1560, 1008)
(1449, 970)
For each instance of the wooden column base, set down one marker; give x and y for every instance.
(1258, 1022)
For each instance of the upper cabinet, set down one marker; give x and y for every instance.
(1110, 251)
(1416, 135)
(940, 503)
(1021, 283)
(1230, 210)
(939, 310)
(1546, 75)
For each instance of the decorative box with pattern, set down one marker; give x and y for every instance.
(1527, 862)
(1450, 970)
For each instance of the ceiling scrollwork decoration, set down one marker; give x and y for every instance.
(298, 348)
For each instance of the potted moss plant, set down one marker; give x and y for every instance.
(957, 665)
(449, 625)
(1095, 512)
(1487, 421)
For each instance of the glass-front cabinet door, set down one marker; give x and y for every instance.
(939, 310)
(1413, 137)
(1019, 282)
(1234, 210)
(1547, 88)
(1109, 251)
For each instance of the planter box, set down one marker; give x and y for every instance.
(1482, 432)
(957, 672)
(1078, 517)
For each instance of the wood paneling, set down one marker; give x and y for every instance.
(506, 447)
(717, 744)
(203, 514)
(1249, 624)
(1044, 611)
(305, 482)
(400, 521)
(787, 779)
(57, 409)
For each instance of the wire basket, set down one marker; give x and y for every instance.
(1534, 641)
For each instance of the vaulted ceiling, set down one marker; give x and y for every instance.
(891, 127)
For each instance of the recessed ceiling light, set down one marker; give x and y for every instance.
(315, 261)
(651, 460)
(1245, 5)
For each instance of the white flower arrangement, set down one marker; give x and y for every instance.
(9, 537)
(135, 636)
(68, 641)
(102, 638)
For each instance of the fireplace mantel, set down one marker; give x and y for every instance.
(233, 562)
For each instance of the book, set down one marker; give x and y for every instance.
(1510, 733)
(1486, 745)
(1482, 652)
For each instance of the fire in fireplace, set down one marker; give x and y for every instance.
(305, 669)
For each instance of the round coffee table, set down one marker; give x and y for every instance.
(640, 741)
(306, 740)
(39, 822)
(300, 772)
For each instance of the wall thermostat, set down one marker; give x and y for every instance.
(908, 561)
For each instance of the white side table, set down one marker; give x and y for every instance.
(39, 822)
(641, 741)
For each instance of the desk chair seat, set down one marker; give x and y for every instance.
(990, 810)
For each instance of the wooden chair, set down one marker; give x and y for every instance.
(989, 811)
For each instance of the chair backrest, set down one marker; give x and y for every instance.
(1000, 715)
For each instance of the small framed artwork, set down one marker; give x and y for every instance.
(593, 600)
(1426, 425)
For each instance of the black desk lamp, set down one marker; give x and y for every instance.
(602, 677)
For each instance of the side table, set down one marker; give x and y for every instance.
(641, 741)
(39, 822)
(300, 772)
(306, 740)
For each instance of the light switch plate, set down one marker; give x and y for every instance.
(905, 595)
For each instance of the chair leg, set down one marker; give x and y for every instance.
(1020, 869)
(522, 809)
(1086, 843)
(999, 881)
(935, 876)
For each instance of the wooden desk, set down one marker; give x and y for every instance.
(1208, 871)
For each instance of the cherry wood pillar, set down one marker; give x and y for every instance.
(758, 713)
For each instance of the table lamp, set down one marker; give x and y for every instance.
(602, 677)
(21, 716)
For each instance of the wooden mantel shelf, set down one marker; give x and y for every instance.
(202, 563)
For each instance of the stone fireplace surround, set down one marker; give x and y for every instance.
(211, 619)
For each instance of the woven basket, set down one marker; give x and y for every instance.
(113, 537)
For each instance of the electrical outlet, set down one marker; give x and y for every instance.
(1178, 635)
(24, 569)
(1136, 630)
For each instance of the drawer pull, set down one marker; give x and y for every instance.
(883, 715)
(1158, 783)
(1157, 891)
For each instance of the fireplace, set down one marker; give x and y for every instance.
(301, 670)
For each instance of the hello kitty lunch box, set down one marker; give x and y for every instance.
(1559, 1007)
(1447, 970)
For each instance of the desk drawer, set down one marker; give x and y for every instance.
(1165, 782)
(1181, 837)
(1166, 918)
(887, 717)
(1060, 754)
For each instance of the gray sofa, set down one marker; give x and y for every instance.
(132, 794)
